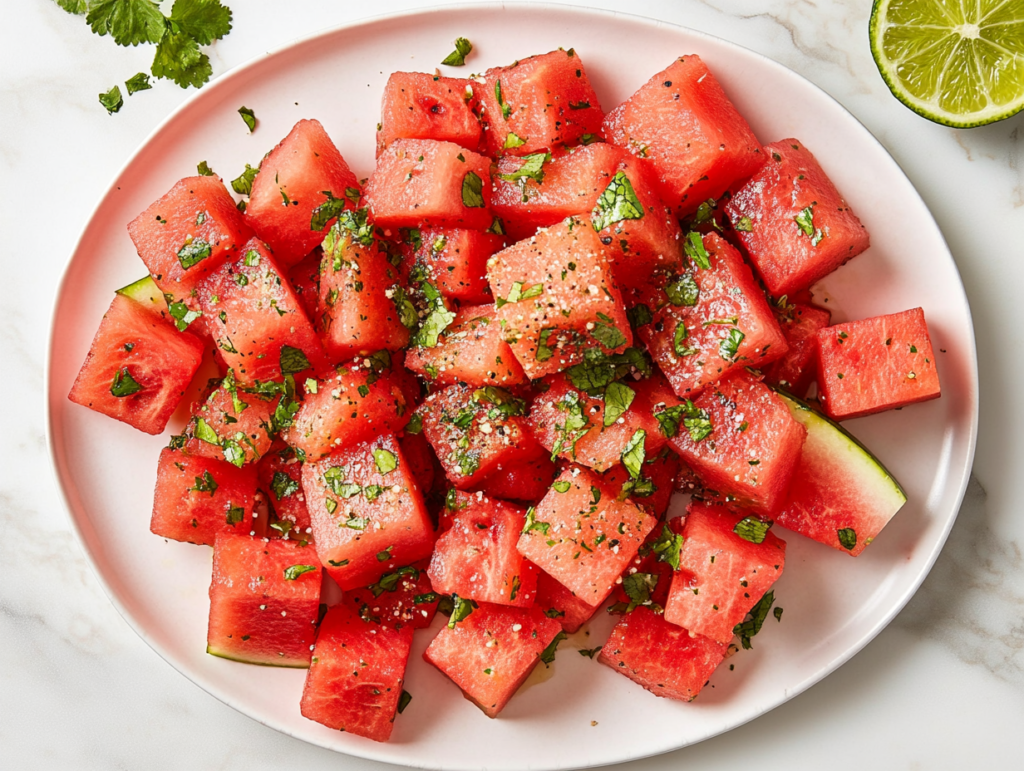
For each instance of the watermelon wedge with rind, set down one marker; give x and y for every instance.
(840, 494)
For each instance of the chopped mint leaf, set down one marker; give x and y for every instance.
(590, 652)
(250, 119)
(633, 454)
(679, 337)
(235, 515)
(205, 484)
(283, 485)
(415, 424)
(506, 110)
(293, 360)
(437, 320)
(204, 169)
(562, 486)
(403, 701)
(639, 316)
(460, 610)
(112, 100)
(548, 654)
(513, 140)
(598, 369)
(124, 384)
(752, 529)
(473, 190)
(243, 184)
(516, 293)
(752, 626)
(617, 203)
(204, 433)
(668, 547)
(730, 345)
(617, 398)
(193, 252)
(294, 571)
(805, 221)
(457, 58)
(607, 334)
(181, 313)
(384, 556)
(847, 538)
(778, 614)
(683, 290)
(138, 82)
(532, 523)
(531, 168)
(385, 460)
(326, 211)
(744, 224)
(638, 587)
(693, 245)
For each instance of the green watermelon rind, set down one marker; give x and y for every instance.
(281, 663)
(798, 406)
(145, 292)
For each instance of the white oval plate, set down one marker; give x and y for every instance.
(578, 713)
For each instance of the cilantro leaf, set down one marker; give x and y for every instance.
(77, 7)
(138, 82)
(752, 626)
(112, 101)
(617, 203)
(178, 58)
(617, 398)
(457, 58)
(204, 169)
(202, 20)
(128, 22)
(249, 117)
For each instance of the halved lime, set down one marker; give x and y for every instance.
(956, 62)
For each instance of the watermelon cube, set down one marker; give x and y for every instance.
(492, 651)
(359, 309)
(416, 105)
(138, 366)
(189, 233)
(665, 659)
(543, 189)
(642, 233)
(355, 677)
(693, 135)
(258, 323)
(741, 441)
(304, 279)
(231, 424)
(280, 479)
(404, 597)
(476, 557)
(290, 205)
(196, 498)
(538, 103)
(841, 495)
(714, 320)
(563, 606)
(359, 402)
(659, 472)
(454, 260)
(264, 601)
(572, 425)
(556, 296)
(474, 431)
(525, 480)
(796, 369)
(367, 512)
(792, 221)
(876, 364)
(727, 562)
(471, 350)
(648, 577)
(421, 182)
(582, 536)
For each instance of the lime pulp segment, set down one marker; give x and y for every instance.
(955, 62)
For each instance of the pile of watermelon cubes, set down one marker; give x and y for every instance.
(473, 382)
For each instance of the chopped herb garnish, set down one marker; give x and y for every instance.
(617, 398)
(548, 654)
(293, 360)
(403, 701)
(752, 529)
(385, 460)
(205, 484)
(243, 184)
(112, 101)
(847, 538)
(124, 384)
(472, 190)
(460, 610)
(139, 82)
(283, 485)
(730, 345)
(590, 652)
(683, 290)
(294, 571)
(633, 454)
(617, 203)
(668, 546)
(752, 625)
(693, 245)
(531, 168)
(638, 588)
(250, 119)
(744, 224)
(562, 486)
(326, 211)
(193, 252)
(533, 524)
(457, 58)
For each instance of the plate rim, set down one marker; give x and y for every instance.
(57, 464)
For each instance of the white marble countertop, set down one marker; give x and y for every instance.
(941, 688)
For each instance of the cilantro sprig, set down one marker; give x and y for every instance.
(177, 37)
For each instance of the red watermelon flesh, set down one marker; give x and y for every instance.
(538, 103)
(876, 364)
(138, 366)
(742, 442)
(403, 597)
(728, 327)
(367, 512)
(661, 470)
(792, 221)
(352, 406)
(304, 278)
(476, 557)
(455, 261)
(280, 479)
(556, 296)
(421, 459)
(840, 495)
(257, 321)
(638, 245)
(560, 604)
(196, 498)
(231, 424)
(525, 480)
(416, 105)
(355, 677)
(471, 350)
(474, 431)
(421, 182)
(188, 233)
(693, 135)
(582, 536)
(569, 182)
(358, 309)
(797, 369)
(648, 564)
(721, 575)
(663, 658)
(291, 185)
(264, 601)
(491, 652)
